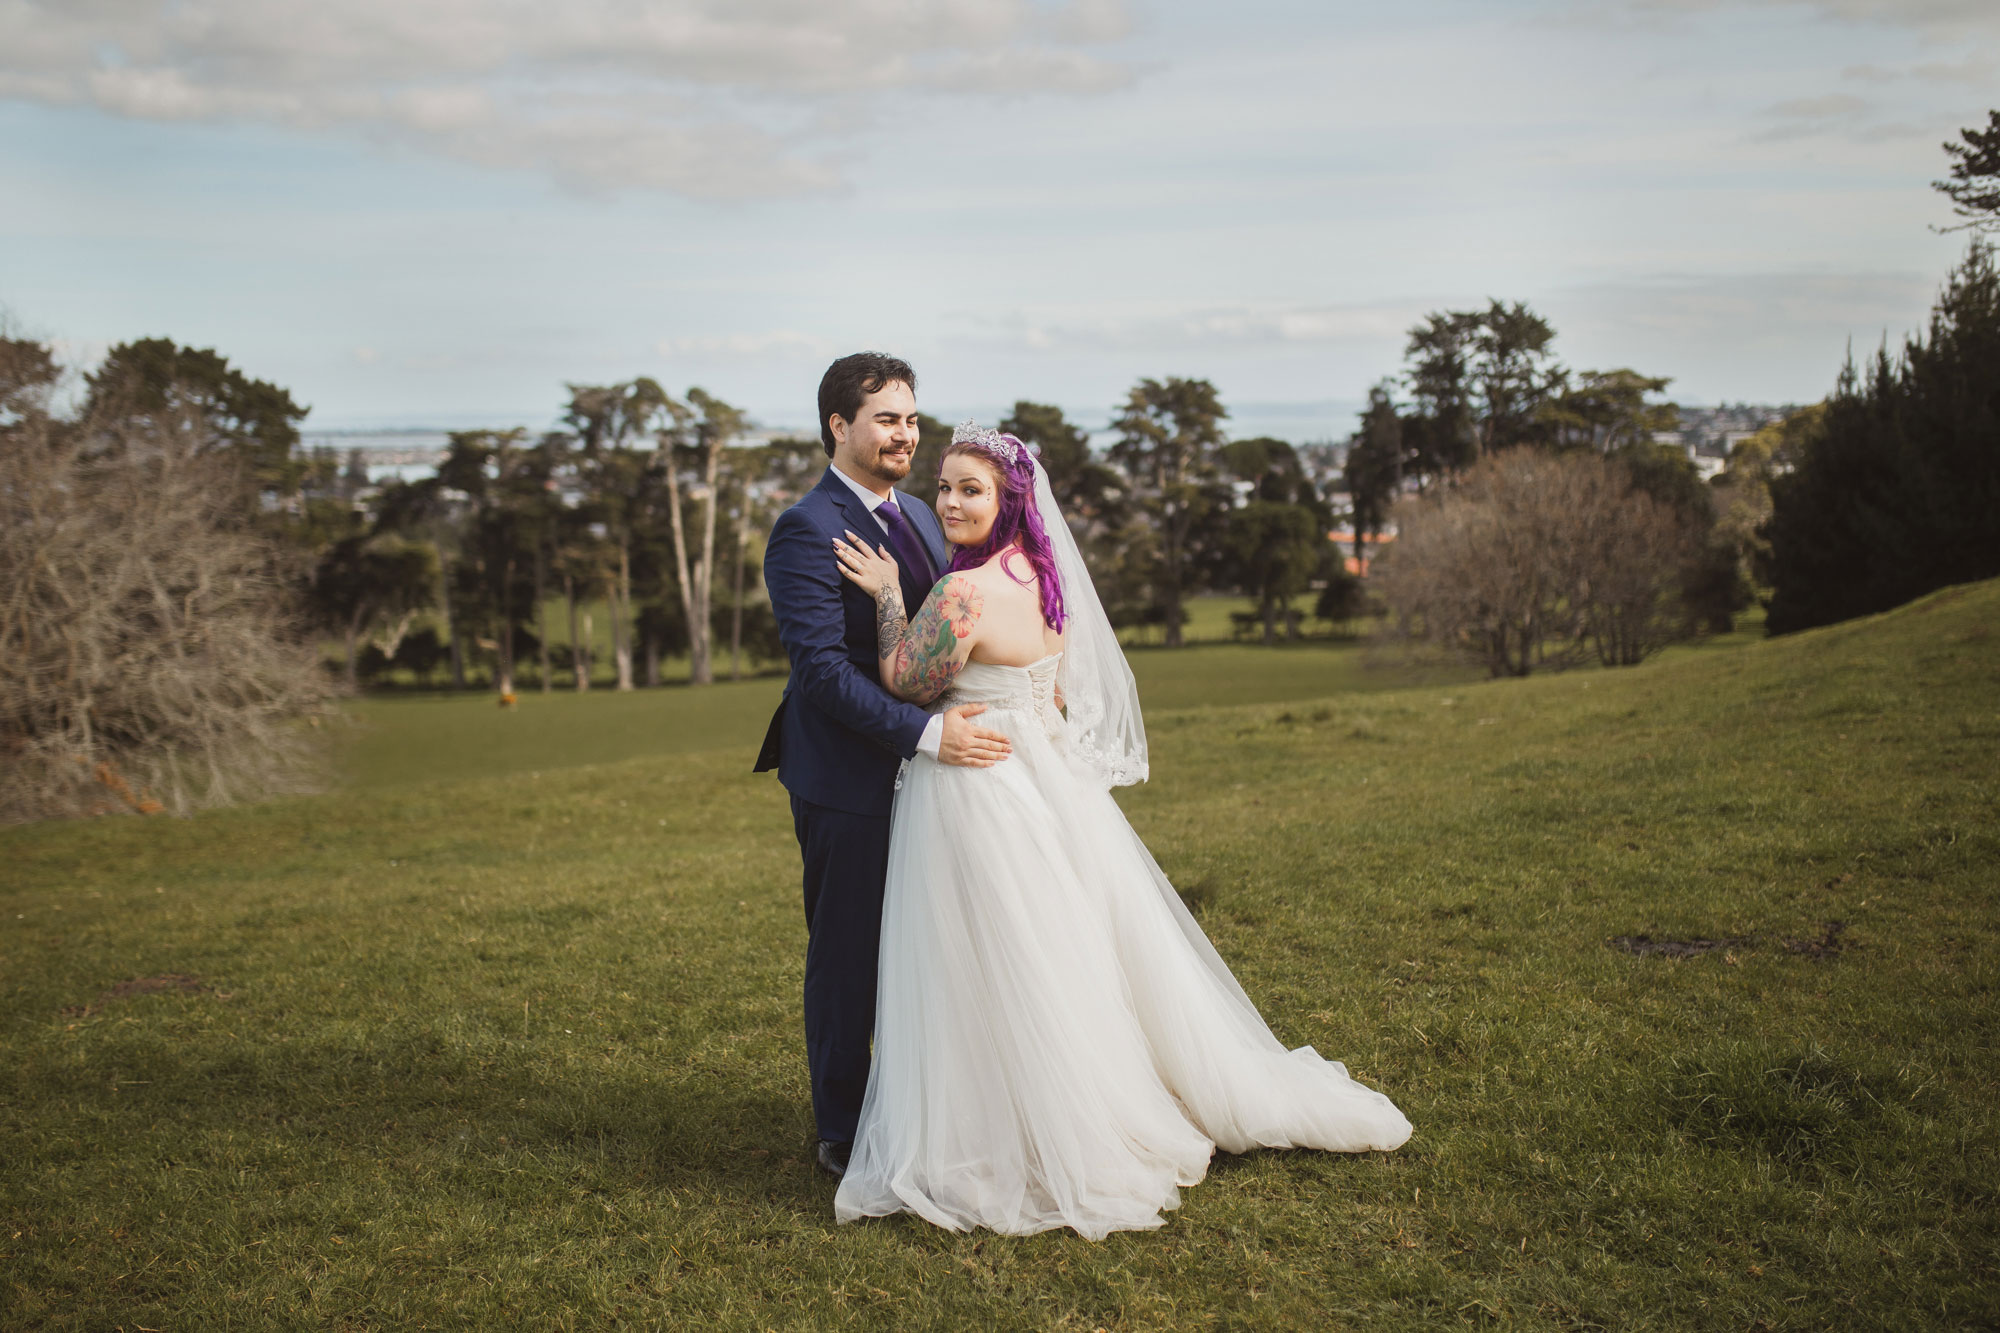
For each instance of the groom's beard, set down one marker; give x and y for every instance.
(891, 468)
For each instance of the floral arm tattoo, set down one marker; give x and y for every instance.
(890, 629)
(920, 659)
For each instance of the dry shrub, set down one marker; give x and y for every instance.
(148, 656)
(1538, 560)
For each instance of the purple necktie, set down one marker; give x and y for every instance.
(909, 548)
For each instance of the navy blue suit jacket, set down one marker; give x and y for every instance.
(838, 735)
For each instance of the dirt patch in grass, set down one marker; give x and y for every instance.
(1641, 946)
(176, 981)
(1829, 943)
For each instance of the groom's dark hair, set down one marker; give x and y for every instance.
(851, 379)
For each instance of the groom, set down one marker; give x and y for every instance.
(837, 736)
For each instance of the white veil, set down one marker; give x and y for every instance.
(1106, 733)
(1107, 738)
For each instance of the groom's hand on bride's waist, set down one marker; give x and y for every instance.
(968, 744)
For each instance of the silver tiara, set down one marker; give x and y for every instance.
(987, 441)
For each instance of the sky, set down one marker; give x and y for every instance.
(438, 212)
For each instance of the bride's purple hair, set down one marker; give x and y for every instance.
(1018, 522)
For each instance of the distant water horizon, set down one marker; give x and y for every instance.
(1312, 421)
(1309, 422)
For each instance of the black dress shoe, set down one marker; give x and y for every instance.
(833, 1157)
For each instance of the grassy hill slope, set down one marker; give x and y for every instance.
(523, 1051)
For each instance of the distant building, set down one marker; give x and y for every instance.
(1370, 546)
(1710, 432)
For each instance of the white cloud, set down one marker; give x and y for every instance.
(1945, 19)
(1751, 335)
(1829, 107)
(1701, 307)
(694, 96)
(1844, 115)
(1754, 336)
(1242, 326)
(1974, 70)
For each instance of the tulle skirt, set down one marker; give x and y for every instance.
(1056, 1042)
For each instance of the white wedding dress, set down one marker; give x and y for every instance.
(1056, 1042)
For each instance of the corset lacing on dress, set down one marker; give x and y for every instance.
(1027, 689)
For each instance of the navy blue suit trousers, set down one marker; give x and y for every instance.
(836, 740)
(846, 859)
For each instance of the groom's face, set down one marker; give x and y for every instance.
(882, 438)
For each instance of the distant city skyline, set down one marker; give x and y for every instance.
(436, 214)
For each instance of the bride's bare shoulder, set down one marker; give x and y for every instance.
(999, 593)
(1009, 569)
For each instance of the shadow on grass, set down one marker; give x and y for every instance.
(477, 1119)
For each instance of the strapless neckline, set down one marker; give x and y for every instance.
(1009, 666)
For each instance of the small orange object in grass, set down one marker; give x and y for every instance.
(112, 778)
(507, 699)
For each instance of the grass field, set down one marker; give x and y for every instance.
(422, 737)
(522, 1050)
(412, 737)
(1208, 622)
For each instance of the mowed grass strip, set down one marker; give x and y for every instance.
(403, 739)
(523, 1051)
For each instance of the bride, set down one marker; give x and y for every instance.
(1056, 1042)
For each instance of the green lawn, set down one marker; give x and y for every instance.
(1208, 622)
(522, 1050)
(424, 738)
(412, 737)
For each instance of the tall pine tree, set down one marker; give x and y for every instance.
(1899, 494)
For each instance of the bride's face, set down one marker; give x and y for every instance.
(968, 499)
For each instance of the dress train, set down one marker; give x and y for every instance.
(1056, 1041)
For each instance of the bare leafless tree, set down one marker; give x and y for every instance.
(1633, 552)
(1537, 560)
(149, 657)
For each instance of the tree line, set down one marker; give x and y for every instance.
(655, 509)
(648, 504)
(1539, 518)
(170, 555)
(1174, 507)
(1538, 524)
(173, 558)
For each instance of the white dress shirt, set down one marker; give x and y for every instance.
(933, 738)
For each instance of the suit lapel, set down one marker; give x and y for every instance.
(863, 524)
(847, 502)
